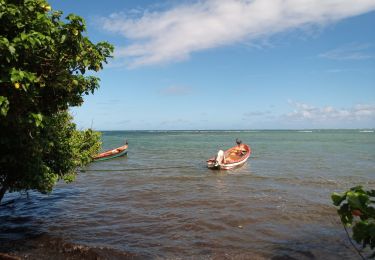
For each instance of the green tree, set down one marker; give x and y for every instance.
(44, 61)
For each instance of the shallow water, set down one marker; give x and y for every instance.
(161, 200)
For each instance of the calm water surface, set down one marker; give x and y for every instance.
(160, 201)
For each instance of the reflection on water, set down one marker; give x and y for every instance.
(277, 206)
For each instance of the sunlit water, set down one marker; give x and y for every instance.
(161, 200)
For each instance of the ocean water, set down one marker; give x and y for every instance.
(161, 201)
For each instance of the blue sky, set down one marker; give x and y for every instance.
(222, 64)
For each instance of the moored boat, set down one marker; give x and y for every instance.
(231, 158)
(110, 154)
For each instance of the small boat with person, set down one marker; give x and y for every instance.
(231, 158)
(113, 153)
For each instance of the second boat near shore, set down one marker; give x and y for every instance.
(113, 153)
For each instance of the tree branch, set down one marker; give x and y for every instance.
(3, 189)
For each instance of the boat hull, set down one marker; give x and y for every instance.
(110, 154)
(227, 166)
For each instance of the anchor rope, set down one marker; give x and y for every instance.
(135, 169)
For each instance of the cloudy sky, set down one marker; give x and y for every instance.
(231, 64)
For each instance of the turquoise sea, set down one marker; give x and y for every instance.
(161, 201)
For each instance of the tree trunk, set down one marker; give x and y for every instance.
(3, 189)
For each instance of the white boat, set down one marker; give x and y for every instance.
(231, 158)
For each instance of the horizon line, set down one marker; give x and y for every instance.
(265, 129)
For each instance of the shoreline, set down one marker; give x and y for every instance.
(48, 247)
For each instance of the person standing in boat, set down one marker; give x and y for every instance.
(240, 150)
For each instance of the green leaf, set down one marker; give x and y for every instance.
(357, 200)
(371, 193)
(360, 232)
(337, 198)
(4, 105)
(345, 214)
(12, 50)
(15, 75)
(86, 62)
(63, 38)
(23, 36)
(358, 188)
(37, 118)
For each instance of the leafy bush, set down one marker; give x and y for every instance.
(357, 211)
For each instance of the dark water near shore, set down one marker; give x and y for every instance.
(162, 201)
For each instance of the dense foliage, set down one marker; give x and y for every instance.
(44, 60)
(357, 211)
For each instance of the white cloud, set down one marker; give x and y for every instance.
(173, 34)
(330, 114)
(350, 52)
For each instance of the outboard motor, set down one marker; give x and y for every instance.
(219, 158)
